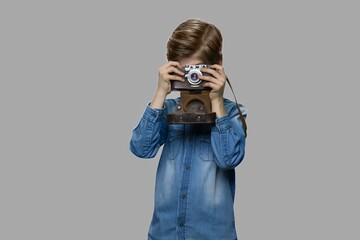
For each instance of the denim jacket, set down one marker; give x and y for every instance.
(195, 180)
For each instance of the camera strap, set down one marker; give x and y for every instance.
(237, 105)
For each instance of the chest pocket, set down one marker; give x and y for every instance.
(175, 139)
(206, 152)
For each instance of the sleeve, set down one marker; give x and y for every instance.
(228, 139)
(150, 133)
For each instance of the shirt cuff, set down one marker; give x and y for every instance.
(152, 114)
(223, 123)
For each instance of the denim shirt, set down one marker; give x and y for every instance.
(195, 179)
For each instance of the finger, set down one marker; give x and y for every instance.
(212, 72)
(172, 77)
(217, 66)
(219, 69)
(169, 69)
(210, 79)
(176, 70)
(211, 85)
(173, 63)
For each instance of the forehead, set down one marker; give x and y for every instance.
(189, 61)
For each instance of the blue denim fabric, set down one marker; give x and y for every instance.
(195, 180)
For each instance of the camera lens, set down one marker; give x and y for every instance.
(194, 76)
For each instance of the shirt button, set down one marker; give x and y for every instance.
(181, 224)
(187, 167)
(183, 196)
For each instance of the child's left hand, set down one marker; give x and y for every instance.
(216, 81)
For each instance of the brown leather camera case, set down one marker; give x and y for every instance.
(195, 108)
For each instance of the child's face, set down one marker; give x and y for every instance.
(189, 61)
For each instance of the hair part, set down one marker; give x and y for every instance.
(197, 39)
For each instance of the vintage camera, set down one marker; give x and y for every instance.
(195, 104)
(192, 81)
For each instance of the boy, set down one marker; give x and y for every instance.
(195, 180)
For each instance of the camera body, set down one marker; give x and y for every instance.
(195, 104)
(192, 81)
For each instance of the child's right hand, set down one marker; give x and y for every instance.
(165, 76)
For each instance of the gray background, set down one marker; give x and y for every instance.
(75, 79)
